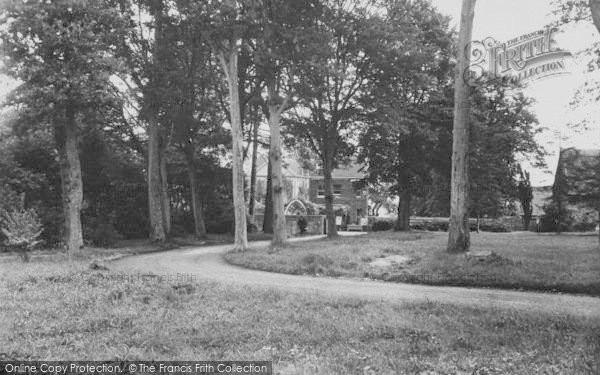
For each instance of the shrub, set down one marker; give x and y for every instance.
(22, 229)
(382, 225)
(100, 232)
(494, 227)
(432, 226)
(302, 224)
(219, 227)
(555, 219)
(104, 235)
(251, 227)
(584, 227)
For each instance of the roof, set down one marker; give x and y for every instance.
(293, 168)
(290, 167)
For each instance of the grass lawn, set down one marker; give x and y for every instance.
(521, 260)
(64, 310)
(135, 246)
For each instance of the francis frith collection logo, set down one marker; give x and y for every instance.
(524, 59)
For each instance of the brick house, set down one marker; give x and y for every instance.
(350, 196)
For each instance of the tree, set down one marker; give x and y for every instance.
(284, 33)
(225, 38)
(525, 193)
(330, 85)
(154, 93)
(410, 75)
(595, 10)
(503, 131)
(194, 112)
(62, 52)
(255, 123)
(578, 10)
(268, 218)
(458, 231)
(145, 49)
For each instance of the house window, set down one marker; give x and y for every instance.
(358, 186)
(337, 190)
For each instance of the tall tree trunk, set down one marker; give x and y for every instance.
(155, 198)
(279, 227)
(72, 185)
(252, 199)
(527, 219)
(268, 217)
(156, 202)
(229, 61)
(164, 191)
(328, 182)
(199, 224)
(458, 233)
(404, 199)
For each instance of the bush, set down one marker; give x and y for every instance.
(584, 227)
(104, 235)
(382, 225)
(22, 229)
(302, 224)
(251, 227)
(432, 226)
(555, 219)
(494, 227)
(219, 227)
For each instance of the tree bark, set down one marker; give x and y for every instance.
(155, 199)
(199, 224)
(72, 185)
(328, 182)
(404, 199)
(458, 232)
(164, 191)
(156, 168)
(279, 226)
(526, 220)
(252, 198)
(229, 61)
(268, 217)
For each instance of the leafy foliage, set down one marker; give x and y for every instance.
(22, 229)
(503, 132)
(525, 194)
(382, 225)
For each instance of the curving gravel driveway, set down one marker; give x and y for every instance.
(206, 263)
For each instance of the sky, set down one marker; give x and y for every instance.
(508, 19)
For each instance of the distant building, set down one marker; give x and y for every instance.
(350, 196)
(295, 179)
